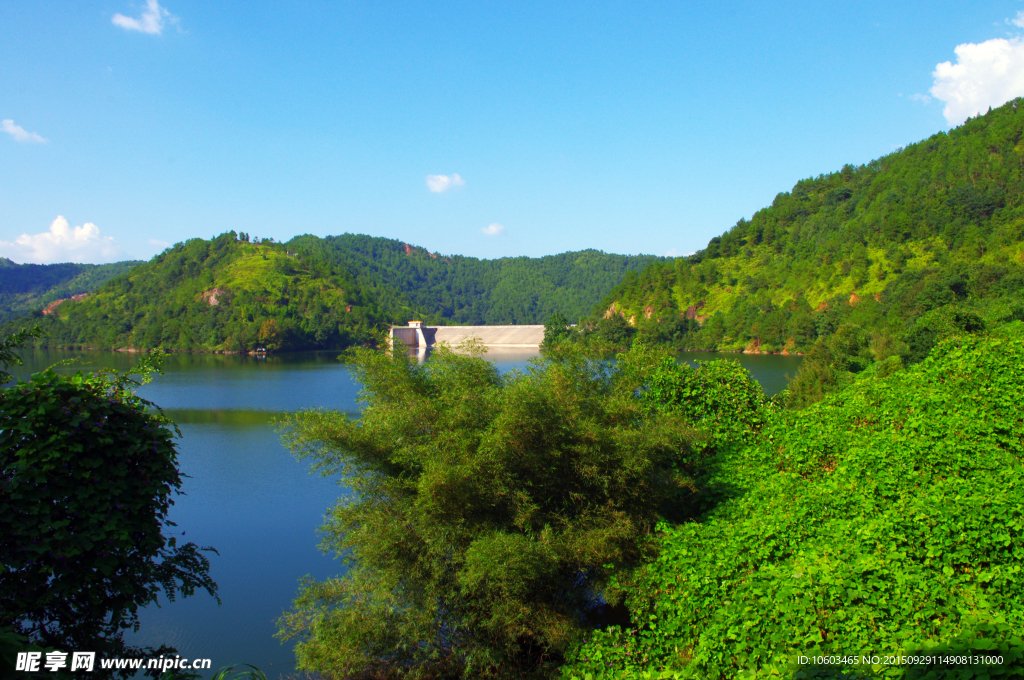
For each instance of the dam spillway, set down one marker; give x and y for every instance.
(417, 335)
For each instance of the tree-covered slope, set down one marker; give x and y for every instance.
(229, 294)
(226, 294)
(939, 222)
(26, 287)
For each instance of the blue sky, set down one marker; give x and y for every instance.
(484, 129)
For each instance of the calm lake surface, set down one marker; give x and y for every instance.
(249, 498)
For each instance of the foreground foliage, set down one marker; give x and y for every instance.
(87, 474)
(493, 519)
(886, 519)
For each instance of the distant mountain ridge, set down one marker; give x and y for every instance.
(230, 294)
(939, 223)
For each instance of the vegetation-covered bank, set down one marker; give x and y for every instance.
(888, 519)
(650, 520)
(878, 246)
(235, 294)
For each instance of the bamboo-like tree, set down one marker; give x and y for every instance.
(492, 517)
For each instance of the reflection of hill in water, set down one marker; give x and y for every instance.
(234, 417)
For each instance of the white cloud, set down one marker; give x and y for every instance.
(150, 21)
(1018, 20)
(19, 133)
(672, 253)
(923, 98)
(493, 229)
(62, 243)
(986, 74)
(159, 244)
(439, 183)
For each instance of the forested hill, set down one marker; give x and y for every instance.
(939, 223)
(232, 294)
(27, 287)
(469, 291)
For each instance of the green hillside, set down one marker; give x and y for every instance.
(938, 223)
(229, 294)
(27, 287)
(469, 291)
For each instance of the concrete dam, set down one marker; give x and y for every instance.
(418, 336)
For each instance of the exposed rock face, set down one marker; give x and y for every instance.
(211, 296)
(613, 310)
(648, 311)
(854, 299)
(822, 307)
(691, 311)
(52, 307)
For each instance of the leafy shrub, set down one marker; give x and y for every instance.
(887, 519)
(937, 324)
(718, 397)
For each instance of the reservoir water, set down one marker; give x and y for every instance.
(249, 498)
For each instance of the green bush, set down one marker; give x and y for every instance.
(938, 324)
(718, 397)
(886, 519)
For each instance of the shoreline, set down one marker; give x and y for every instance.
(134, 350)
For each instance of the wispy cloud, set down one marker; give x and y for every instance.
(151, 20)
(440, 183)
(493, 229)
(20, 134)
(62, 243)
(159, 244)
(986, 74)
(918, 97)
(1017, 20)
